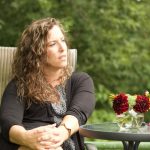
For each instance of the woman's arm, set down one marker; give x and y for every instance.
(11, 110)
(15, 132)
(11, 116)
(82, 97)
(32, 138)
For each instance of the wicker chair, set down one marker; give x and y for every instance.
(6, 57)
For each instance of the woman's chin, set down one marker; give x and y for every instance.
(63, 66)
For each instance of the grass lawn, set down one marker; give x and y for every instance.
(116, 145)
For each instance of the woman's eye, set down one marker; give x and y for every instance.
(63, 40)
(51, 44)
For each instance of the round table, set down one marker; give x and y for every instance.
(130, 138)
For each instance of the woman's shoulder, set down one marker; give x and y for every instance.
(11, 84)
(82, 80)
(80, 75)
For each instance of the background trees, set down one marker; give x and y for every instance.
(112, 38)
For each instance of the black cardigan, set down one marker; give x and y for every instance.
(80, 103)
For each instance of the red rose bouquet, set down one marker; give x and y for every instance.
(123, 102)
(130, 108)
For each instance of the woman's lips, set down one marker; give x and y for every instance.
(62, 57)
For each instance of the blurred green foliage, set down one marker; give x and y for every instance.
(112, 38)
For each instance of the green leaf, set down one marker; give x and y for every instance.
(131, 100)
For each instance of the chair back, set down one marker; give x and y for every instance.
(6, 57)
(72, 58)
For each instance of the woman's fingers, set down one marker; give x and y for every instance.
(46, 137)
(45, 128)
(50, 143)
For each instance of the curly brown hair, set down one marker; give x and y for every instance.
(27, 66)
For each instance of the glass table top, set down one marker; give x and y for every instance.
(112, 131)
(113, 127)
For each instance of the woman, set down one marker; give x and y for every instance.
(45, 103)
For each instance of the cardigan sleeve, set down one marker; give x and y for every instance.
(82, 99)
(11, 110)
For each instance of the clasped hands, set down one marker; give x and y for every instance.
(47, 137)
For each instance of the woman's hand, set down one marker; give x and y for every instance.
(61, 133)
(55, 140)
(40, 138)
(44, 133)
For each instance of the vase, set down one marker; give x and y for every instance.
(130, 119)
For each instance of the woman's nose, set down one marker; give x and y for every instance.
(61, 47)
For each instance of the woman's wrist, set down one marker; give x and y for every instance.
(70, 123)
(66, 134)
(67, 127)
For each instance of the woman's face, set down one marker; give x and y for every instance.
(56, 49)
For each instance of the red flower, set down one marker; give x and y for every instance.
(120, 103)
(142, 104)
